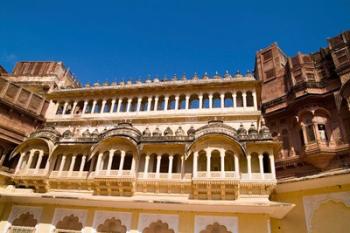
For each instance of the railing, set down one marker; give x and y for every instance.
(218, 175)
(69, 174)
(20, 229)
(32, 172)
(163, 176)
(113, 174)
(257, 176)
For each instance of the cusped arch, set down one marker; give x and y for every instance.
(124, 129)
(25, 220)
(112, 225)
(70, 222)
(215, 228)
(158, 227)
(34, 143)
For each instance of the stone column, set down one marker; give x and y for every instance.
(195, 164)
(200, 101)
(81, 169)
(119, 104)
(236, 165)
(210, 101)
(254, 100)
(222, 162)
(129, 105)
(234, 98)
(149, 103)
(177, 102)
(71, 167)
(98, 164)
(86, 102)
(64, 108)
(31, 155)
(121, 164)
(93, 106)
(19, 161)
(159, 158)
(187, 103)
(166, 100)
(170, 169)
(2, 159)
(139, 100)
(261, 165)
(73, 108)
(222, 100)
(249, 166)
(272, 166)
(156, 103)
(63, 161)
(208, 154)
(37, 167)
(103, 106)
(112, 106)
(145, 171)
(91, 168)
(244, 96)
(110, 160)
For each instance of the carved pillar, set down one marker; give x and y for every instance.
(64, 108)
(121, 164)
(195, 164)
(244, 96)
(222, 162)
(187, 102)
(261, 165)
(156, 103)
(222, 100)
(85, 105)
(112, 106)
(19, 161)
(249, 165)
(129, 105)
(63, 161)
(102, 110)
(234, 97)
(208, 154)
(200, 101)
(170, 169)
(254, 100)
(72, 164)
(210, 101)
(37, 167)
(166, 99)
(272, 166)
(74, 106)
(31, 155)
(98, 165)
(110, 160)
(159, 158)
(145, 171)
(81, 169)
(119, 104)
(93, 106)
(236, 165)
(149, 103)
(177, 102)
(139, 100)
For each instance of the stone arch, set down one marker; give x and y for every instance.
(158, 227)
(215, 228)
(25, 220)
(70, 222)
(194, 101)
(111, 225)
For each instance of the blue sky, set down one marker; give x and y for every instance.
(122, 40)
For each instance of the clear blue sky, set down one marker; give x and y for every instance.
(121, 40)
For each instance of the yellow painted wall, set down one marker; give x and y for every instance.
(295, 220)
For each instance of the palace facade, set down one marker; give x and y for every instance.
(263, 152)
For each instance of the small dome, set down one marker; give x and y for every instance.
(157, 132)
(242, 132)
(168, 132)
(195, 76)
(95, 133)
(264, 132)
(180, 132)
(67, 134)
(147, 132)
(86, 133)
(252, 131)
(205, 76)
(191, 131)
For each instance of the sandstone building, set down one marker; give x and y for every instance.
(267, 152)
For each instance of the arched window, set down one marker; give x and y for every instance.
(202, 161)
(79, 108)
(104, 160)
(127, 161)
(216, 100)
(164, 163)
(77, 163)
(161, 103)
(229, 161)
(124, 105)
(182, 102)
(115, 106)
(116, 161)
(88, 108)
(108, 106)
(255, 163)
(98, 106)
(171, 102)
(228, 101)
(133, 105)
(249, 98)
(35, 159)
(215, 163)
(266, 163)
(239, 99)
(69, 108)
(144, 104)
(194, 102)
(205, 103)
(60, 108)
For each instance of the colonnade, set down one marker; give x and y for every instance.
(25, 161)
(158, 164)
(239, 99)
(107, 163)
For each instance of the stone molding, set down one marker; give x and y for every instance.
(146, 219)
(101, 216)
(201, 222)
